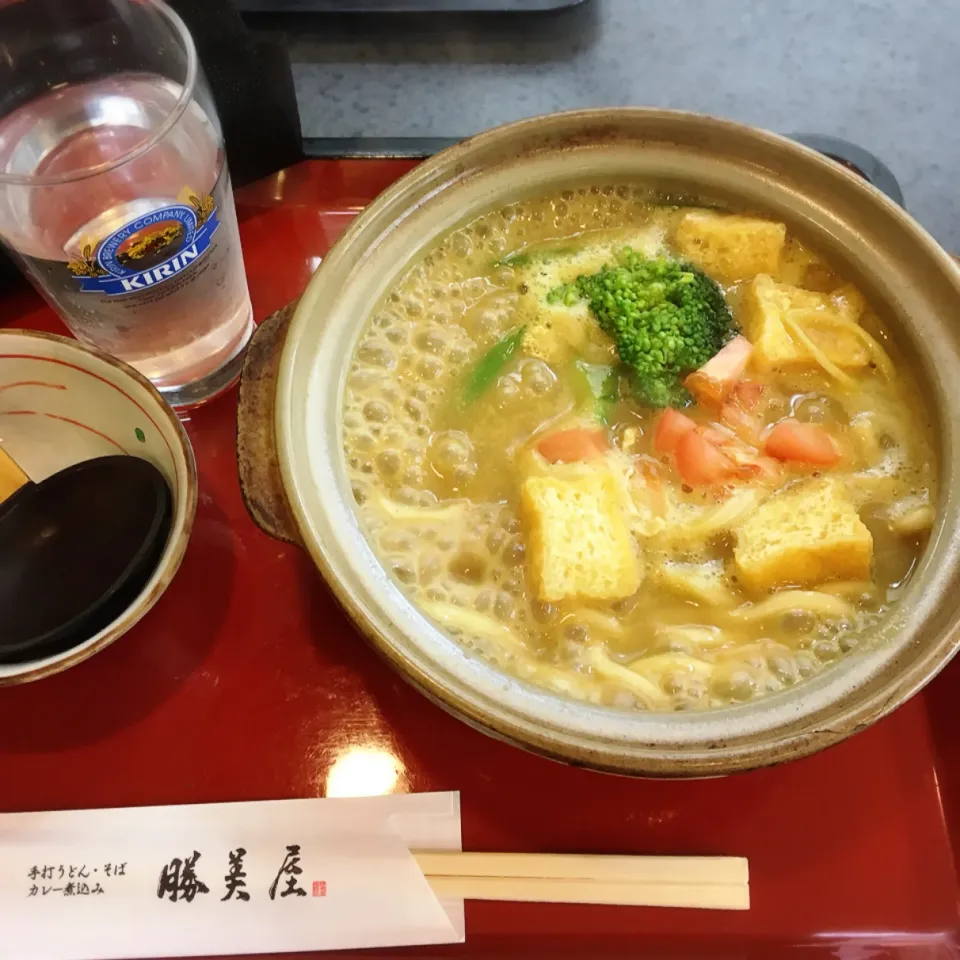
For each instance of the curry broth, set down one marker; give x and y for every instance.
(437, 481)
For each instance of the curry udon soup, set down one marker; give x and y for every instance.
(647, 456)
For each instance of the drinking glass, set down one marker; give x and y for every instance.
(114, 191)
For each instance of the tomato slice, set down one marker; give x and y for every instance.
(707, 392)
(716, 379)
(748, 393)
(699, 462)
(671, 426)
(568, 446)
(802, 442)
(746, 427)
(717, 436)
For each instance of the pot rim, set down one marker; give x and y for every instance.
(629, 754)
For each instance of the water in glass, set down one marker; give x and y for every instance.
(142, 258)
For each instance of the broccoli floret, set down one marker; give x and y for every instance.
(665, 317)
(663, 390)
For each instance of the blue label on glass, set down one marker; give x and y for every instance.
(149, 250)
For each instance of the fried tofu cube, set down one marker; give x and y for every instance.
(730, 247)
(849, 302)
(801, 267)
(763, 305)
(703, 582)
(805, 534)
(824, 318)
(579, 542)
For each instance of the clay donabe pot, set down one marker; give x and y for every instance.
(295, 481)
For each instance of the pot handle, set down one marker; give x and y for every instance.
(854, 158)
(260, 480)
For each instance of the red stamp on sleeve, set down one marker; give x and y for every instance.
(319, 888)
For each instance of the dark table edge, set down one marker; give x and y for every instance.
(375, 148)
(403, 6)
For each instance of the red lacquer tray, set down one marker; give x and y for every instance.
(246, 682)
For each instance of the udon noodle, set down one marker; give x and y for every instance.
(484, 399)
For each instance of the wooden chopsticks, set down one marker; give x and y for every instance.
(716, 883)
